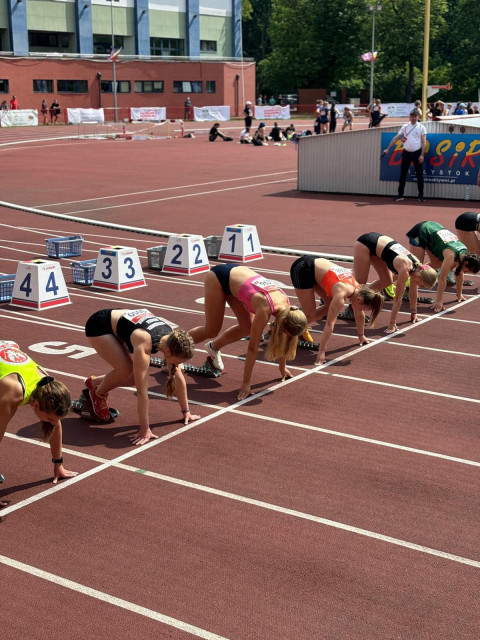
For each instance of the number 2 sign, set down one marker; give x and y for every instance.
(186, 254)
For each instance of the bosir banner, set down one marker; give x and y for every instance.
(452, 158)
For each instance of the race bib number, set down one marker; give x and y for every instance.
(265, 284)
(10, 355)
(446, 235)
(341, 272)
(138, 315)
(399, 249)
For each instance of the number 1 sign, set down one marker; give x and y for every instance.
(186, 254)
(39, 284)
(118, 269)
(240, 243)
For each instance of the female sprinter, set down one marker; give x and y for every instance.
(337, 287)
(466, 226)
(445, 252)
(388, 257)
(125, 339)
(23, 382)
(253, 299)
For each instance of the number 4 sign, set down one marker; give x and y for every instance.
(186, 254)
(240, 243)
(39, 284)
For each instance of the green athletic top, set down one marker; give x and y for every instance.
(12, 360)
(436, 238)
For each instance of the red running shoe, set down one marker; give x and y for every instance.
(99, 403)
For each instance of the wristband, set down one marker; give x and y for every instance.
(184, 411)
(58, 460)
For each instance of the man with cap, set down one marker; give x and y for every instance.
(248, 111)
(413, 136)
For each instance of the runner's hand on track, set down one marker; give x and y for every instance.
(189, 417)
(244, 392)
(320, 358)
(140, 439)
(438, 306)
(461, 299)
(285, 374)
(391, 328)
(61, 472)
(414, 318)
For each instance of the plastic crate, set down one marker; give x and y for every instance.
(83, 271)
(6, 287)
(212, 245)
(156, 256)
(64, 247)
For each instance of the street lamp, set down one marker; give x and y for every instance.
(373, 8)
(113, 62)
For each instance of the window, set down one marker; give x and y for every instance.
(48, 40)
(208, 46)
(72, 86)
(184, 86)
(148, 86)
(167, 47)
(43, 86)
(4, 86)
(211, 86)
(123, 86)
(103, 43)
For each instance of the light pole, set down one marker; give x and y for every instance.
(373, 8)
(113, 62)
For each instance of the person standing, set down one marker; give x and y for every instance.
(334, 114)
(54, 111)
(413, 136)
(14, 103)
(188, 109)
(248, 111)
(44, 111)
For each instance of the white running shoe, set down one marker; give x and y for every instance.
(215, 356)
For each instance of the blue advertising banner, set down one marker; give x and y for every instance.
(450, 158)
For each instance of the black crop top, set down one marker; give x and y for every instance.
(142, 319)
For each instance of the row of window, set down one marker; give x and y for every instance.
(123, 86)
(102, 44)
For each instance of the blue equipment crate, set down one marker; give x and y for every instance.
(64, 247)
(6, 287)
(83, 271)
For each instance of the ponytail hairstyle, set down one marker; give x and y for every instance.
(472, 260)
(374, 300)
(52, 396)
(289, 324)
(180, 345)
(429, 275)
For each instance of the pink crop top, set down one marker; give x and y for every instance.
(258, 284)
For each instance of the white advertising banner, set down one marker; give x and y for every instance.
(19, 118)
(211, 114)
(152, 114)
(272, 112)
(397, 109)
(79, 116)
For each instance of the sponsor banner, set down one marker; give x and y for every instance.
(153, 114)
(79, 116)
(397, 109)
(211, 114)
(272, 112)
(19, 118)
(451, 158)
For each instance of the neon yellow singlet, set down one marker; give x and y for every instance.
(12, 360)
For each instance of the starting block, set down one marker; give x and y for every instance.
(80, 407)
(186, 255)
(39, 284)
(207, 370)
(118, 269)
(306, 344)
(240, 243)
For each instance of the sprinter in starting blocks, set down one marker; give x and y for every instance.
(83, 407)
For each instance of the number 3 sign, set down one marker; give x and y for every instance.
(118, 269)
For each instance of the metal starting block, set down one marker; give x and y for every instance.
(207, 370)
(306, 344)
(81, 408)
(422, 299)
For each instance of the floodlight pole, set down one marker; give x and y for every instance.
(373, 8)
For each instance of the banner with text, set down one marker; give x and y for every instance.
(272, 112)
(80, 116)
(19, 118)
(211, 114)
(450, 158)
(152, 114)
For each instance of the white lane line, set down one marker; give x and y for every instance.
(186, 195)
(186, 186)
(109, 599)
(417, 346)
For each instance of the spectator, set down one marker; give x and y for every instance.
(14, 103)
(469, 108)
(438, 109)
(54, 111)
(418, 106)
(44, 111)
(377, 115)
(4, 106)
(475, 109)
(259, 101)
(276, 134)
(334, 114)
(248, 115)
(260, 137)
(323, 114)
(348, 118)
(216, 133)
(370, 110)
(460, 109)
(188, 109)
(271, 102)
(448, 108)
(245, 137)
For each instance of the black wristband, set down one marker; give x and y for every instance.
(57, 461)
(184, 411)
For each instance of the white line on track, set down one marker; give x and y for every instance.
(109, 599)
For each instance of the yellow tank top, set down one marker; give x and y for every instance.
(13, 360)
